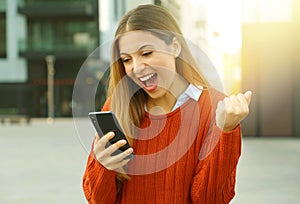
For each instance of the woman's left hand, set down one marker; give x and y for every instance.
(232, 110)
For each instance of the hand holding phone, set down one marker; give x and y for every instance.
(104, 156)
(105, 122)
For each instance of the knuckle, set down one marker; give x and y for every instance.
(240, 95)
(232, 97)
(102, 156)
(109, 168)
(229, 111)
(237, 110)
(117, 144)
(101, 142)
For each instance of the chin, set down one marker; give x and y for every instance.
(158, 93)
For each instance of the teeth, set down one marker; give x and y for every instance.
(145, 78)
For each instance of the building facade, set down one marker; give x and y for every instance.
(65, 32)
(34, 30)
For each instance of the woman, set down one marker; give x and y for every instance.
(185, 135)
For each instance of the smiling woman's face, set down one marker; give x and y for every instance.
(148, 61)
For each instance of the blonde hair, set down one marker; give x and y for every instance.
(128, 100)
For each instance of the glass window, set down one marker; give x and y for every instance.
(56, 1)
(2, 5)
(3, 35)
(62, 35)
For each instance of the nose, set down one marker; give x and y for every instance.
(138, 65)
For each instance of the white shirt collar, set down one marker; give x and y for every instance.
(191, 92)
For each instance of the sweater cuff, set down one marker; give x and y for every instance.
(98, 171)
(236, 130)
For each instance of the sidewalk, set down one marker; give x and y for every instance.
(269, 171)
(42, 163)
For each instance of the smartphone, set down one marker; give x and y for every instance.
(105, 122)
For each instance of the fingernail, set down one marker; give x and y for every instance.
(122, 142)
(111, 134)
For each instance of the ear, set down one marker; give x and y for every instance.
(176, 47)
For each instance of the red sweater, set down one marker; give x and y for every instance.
(181, 157)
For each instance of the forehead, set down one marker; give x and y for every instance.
(135, 40)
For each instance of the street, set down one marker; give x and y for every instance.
(44, 163)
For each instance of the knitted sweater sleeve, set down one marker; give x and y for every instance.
(214, 181)
(214, 178)
(99, 184)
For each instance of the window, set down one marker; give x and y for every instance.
(3, 29)
(61, 35)
(2, 5)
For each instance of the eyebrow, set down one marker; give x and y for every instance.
(140, 48)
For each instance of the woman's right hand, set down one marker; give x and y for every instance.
(104, 157)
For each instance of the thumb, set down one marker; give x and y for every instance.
(248, 96)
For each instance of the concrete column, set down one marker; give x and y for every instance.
(11, 29)
(50, 60)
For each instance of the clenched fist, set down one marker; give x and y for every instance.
(232, 110)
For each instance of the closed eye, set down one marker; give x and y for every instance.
(125, 60)
(146, 53)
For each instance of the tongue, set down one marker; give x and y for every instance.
(151, 84)
(151, 81)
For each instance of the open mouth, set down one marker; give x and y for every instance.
(150, 81)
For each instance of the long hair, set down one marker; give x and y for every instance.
(128, 100)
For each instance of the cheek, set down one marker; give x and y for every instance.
(170, 65)
(130, 74)
(167, 61)
(128, 70)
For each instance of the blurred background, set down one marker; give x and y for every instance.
(253, 45)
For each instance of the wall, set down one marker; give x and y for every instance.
(269, 66)
(13, 69)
